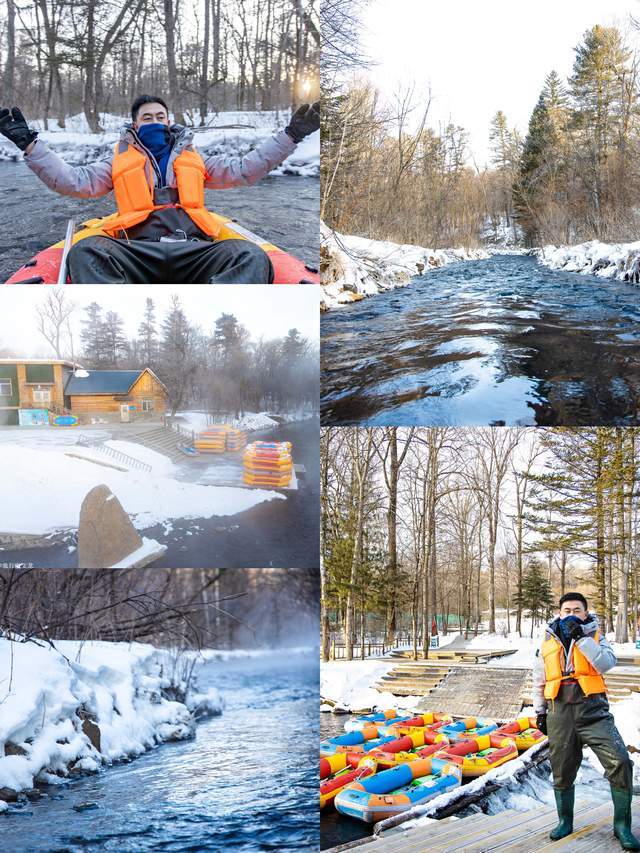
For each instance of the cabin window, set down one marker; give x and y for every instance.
(6, 389)
(41, 395)
(147, 405)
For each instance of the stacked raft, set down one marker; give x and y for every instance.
(220, 438)
(268, 463)
(387, 763)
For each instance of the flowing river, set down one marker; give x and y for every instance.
(503, 341)
(247, 782)
(283, 209)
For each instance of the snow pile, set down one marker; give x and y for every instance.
(48, 488)
(252, 421)
(82, 705)
(78, 146)
(355, 267)
(350, 685)
(606, 260)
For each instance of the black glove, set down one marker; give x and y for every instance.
(304, 121)
(575, 631)
(541, 723)
(13, 125)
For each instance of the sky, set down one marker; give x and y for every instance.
(481, 57)
(267, 311)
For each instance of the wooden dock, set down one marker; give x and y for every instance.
(510, 831)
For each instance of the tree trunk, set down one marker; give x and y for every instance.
(8, 82)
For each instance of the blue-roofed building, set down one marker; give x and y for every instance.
(39, 390)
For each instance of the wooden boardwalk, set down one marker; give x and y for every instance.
(510, 831)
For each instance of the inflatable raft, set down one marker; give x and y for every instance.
(406, 748)
(522, 731)
(432, 722)
(477, 755)
(382, 719)
(356, 742)
(337, 781)
(44, 268)
(392, 791)
(467, 728)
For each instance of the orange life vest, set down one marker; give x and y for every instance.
(133, 187)
(585, 673)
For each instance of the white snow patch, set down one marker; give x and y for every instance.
(148, 549)
(49, 487)
(119, 684)
(606, 260)
(356, 267)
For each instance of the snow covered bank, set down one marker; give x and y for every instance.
(606, 260)
(73, 709)
(355, 267)
(78, 146)
(250, 421)
(48, 488)
(350, 685)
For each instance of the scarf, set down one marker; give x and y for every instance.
(157, 139)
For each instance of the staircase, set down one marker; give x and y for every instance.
(413, 678)
(165, 441)
(620, 685)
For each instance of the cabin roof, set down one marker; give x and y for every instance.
(103, 382)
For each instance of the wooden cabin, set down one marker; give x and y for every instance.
(32, 390)
(126, 393)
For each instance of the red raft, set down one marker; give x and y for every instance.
(44, 268)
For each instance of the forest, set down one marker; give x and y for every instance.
(63, 57)
(573, 176)
(179, 608)
(220, 369)
(429, 530)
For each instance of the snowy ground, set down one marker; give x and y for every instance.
(606, 260)
(47, 487)
(120, 687)
(355, 267)
(77, 145)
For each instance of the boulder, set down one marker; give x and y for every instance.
(14, 749)
(106, 535)
(8, 795)
(92, 731)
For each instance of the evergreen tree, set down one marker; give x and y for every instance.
(92, 337)
(178, 360)
(536, 595)
(148, 336)
(116, 347)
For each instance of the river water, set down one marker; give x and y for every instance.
(498, 341)
(284, 209)
(247, 782)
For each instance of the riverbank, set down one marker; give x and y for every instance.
(70, 710)
(353, 268)
(229, 134)
(620, 261)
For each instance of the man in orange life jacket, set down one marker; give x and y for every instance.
(569, 697)
(162, 232)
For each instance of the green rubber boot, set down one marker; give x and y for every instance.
(622, 818)
(564, 804)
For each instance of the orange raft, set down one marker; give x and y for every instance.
(337, 774)
(44, 267)
(268, 463)
(478, 755)
(523, 732)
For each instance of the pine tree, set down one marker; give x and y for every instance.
(148, 336)
(178, 362)
(92, 337)
(536, 595)
(116, 347)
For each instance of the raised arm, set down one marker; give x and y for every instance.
(226, 172)
(78, 181)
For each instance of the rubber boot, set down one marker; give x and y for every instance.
(622, 818)
(564, 803)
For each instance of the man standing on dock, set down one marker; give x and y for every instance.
(569, 697)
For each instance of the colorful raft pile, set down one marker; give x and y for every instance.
(268, 463)
(220, 438)
(387, 762)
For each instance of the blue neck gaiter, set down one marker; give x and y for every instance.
(157, 139)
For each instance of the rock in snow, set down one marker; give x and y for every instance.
(606, 260)
(354, 267)
(79, 706)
